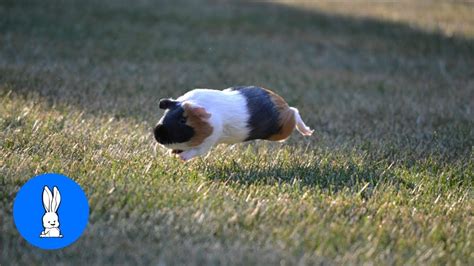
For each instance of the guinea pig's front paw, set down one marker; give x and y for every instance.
(187, 155)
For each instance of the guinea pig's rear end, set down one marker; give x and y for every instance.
(270, 117)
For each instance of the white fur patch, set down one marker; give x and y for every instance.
(229, 113)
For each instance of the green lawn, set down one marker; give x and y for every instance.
(387, 178)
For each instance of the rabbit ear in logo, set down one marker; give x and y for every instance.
(47, 197)
(55, 200)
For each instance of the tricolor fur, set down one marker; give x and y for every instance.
(202, 118)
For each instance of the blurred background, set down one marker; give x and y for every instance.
(394, 67)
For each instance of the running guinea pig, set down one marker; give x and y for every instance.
(202, 118)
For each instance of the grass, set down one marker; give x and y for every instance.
(388, 178)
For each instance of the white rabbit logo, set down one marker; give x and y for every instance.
(51, 203)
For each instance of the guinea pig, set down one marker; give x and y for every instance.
(202, 118)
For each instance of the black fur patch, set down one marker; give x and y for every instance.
(173, 128)
(264, 117)
(168, 103)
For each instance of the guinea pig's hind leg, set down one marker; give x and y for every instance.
(300, 125)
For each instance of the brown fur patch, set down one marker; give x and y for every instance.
(202, 128)
(287, 117)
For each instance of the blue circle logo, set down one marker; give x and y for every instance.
(51, 211)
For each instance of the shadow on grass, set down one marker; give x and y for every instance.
(324, 176)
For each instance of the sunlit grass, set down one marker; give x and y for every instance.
(448, 17)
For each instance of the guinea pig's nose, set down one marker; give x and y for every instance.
(158, 132)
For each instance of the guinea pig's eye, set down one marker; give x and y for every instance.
(182, 120)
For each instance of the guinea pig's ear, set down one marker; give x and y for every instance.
(167, 103)
(193, 109)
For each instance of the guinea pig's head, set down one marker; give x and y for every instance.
(184, 125)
